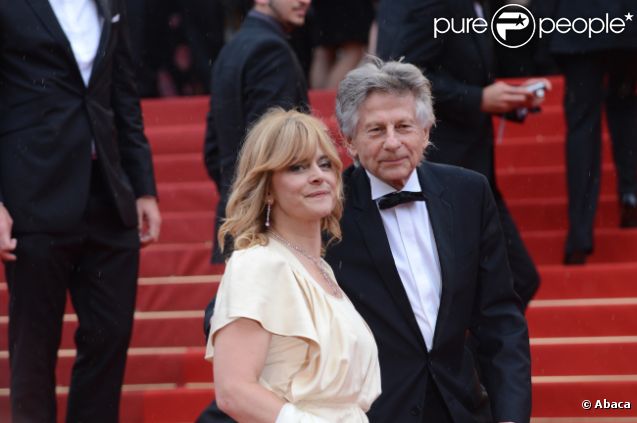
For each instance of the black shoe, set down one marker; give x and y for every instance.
(575, 258)
(628, 211)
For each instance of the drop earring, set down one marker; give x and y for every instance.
(267, 215)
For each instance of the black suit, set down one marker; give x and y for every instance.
(477, 296)
(586, 63)
(256, 70)
(74, 215)
(459, 66)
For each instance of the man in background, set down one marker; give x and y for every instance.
(77, 197)
(598, 70)
(256, 70)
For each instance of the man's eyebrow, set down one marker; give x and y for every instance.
(372, 123)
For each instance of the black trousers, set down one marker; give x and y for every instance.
(98, 266)
(592, 80)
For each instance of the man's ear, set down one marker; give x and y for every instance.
(347, 143)
(426, 136)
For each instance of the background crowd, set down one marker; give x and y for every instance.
(176, 43)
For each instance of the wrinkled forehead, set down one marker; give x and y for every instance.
(387, 105)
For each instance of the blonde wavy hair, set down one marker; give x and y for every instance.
(278, 140)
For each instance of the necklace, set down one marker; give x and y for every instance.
(320, 265)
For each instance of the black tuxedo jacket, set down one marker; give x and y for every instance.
(477, 299)
(458, 66)
(256, 70)
(48, 119)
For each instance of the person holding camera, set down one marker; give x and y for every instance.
(461, 68)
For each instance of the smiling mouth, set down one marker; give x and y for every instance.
(318, 194)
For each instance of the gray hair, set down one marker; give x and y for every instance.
(388, 77)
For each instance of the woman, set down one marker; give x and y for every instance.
(288, 345)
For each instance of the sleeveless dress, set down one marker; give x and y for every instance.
(322, 357)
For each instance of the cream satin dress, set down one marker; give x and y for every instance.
(322, 357)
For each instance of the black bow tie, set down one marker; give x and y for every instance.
(395, 198)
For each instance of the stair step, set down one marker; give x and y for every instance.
(175, 111)
(151, 329)
(185, 227)
(604, 355)
(176, 259)
(593, 280)
(538, 150)
(582, 317)
(552, 213)
(545, 182)
(145, 366)
(184, 167)
(612, 245)
(159, 294)
(187, 196)
(177, 139)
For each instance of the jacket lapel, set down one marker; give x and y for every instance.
(440, 215)
(105, 12)
(371, 226)
(45, 13)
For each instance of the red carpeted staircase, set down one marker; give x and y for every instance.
(583, 322)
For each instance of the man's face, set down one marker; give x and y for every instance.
(389, 141)
(290, 13)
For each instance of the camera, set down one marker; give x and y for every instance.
(538, 89)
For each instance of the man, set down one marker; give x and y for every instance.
(424, 261)
(598, 69)
(77, 195)
(256, 70)
(461, 68)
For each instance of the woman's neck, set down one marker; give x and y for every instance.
(305, 236)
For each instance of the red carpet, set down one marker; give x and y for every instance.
(583, 322)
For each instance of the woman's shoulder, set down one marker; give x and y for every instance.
(263, 260)
(267, 252)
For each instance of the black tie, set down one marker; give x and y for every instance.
(395, 198)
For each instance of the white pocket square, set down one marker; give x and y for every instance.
(115, 18)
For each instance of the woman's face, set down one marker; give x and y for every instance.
(304, 191)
